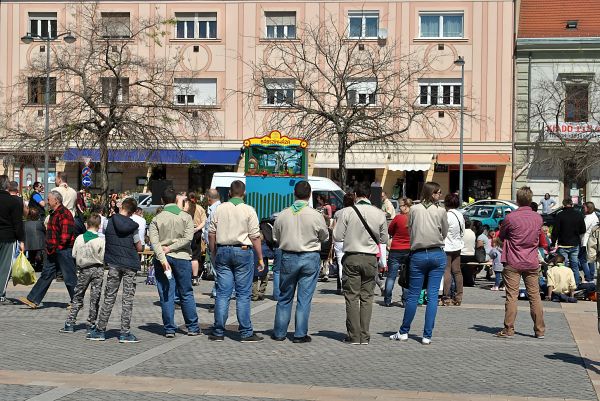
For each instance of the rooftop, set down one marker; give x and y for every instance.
(559, 18)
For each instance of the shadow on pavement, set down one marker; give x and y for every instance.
(576, 360)
(330, 334)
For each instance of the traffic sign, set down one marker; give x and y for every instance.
(86, 171)
(86, 181)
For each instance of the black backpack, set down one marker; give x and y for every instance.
(266, 229)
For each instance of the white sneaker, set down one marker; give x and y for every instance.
(426, 341)
(399, 337)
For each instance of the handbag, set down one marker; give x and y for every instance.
(381, 255)
(403, 273)
(480, 254)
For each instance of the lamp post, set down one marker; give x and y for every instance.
(27, 39)
(461, 62)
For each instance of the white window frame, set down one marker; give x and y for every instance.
(198, 19)
(364, 15)
(440, 83)
(281, 88)
(199, 88)
(43, 18)
(441, 16)
(366, 88)
(283, 27)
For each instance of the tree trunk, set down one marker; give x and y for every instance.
(104, 170)
(343, 173)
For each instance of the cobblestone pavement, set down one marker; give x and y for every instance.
(465, 360)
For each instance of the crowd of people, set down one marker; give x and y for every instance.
(425, 243)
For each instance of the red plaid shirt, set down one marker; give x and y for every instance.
(60, 232)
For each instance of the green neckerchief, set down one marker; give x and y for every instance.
(363, 202)
(172, 208)
(89, 235)
(236, 201)
(426, 204)
(298, 205)
(561, 265)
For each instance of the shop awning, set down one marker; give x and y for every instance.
(205, 157)
(353, 160)
(413, 162)
(474, 158)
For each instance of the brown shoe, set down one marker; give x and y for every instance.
(445, 302)
(456, 303)
(504, 334)
(27, 302)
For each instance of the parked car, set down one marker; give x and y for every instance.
(490, 202)
(550, 218)
(492, 215)
(144, 201)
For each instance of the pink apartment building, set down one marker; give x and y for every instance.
(215, 39)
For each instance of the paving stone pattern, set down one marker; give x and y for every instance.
(463, 358)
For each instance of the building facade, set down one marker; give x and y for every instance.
(217, 39)
(557, 93)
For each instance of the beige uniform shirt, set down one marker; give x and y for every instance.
(388, 208)
(561, 278)
(234, 225)
(69, 196)
(301, 232)
(350, 230)
(173, 230)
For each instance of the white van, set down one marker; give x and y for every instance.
(319, 185)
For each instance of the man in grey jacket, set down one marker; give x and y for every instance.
(299, 230)
(360, 261)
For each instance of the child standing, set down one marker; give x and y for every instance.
(121, 257)
(496, 255)
(88, 252)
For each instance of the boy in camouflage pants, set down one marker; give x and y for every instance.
(123, 261)
(88, 252)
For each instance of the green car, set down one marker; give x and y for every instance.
(491, 215)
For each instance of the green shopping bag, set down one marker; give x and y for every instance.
(22, 271)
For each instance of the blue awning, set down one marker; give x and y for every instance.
(205, 157)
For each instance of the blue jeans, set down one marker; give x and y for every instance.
(589, 268)
(276, 273)
(297, 270)
(430, 264)
(497, 279)
(234, 268)
(182, 283)
(571, 256)
(395, 259)
(63, 260)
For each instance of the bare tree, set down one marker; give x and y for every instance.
(332, 89)
(565, 120)
(108, 94)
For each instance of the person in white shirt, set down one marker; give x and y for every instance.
(547, 203)
(138, 217)
(591, 221)
(69, 195)
(469, 239)
(453, 245)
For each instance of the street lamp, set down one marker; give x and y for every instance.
(27, 39)
(460, 61)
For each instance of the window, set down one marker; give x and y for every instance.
(441, 25)
(196, 25)
(36, 91)
(576, 103)
(363, 24)
(281, 25)
(362, 92)
(279, 91)
(440, 92)
(111, 88)
(195, 91)
(43, 24)
(116, 25)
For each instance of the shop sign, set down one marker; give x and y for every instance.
(564, 131)
(440, 168)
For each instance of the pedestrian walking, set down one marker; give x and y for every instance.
(121, 256)
(299, 230)
(232, 235)
(88, 251)
(362, 228)
(453, 245)
(171, 233)
(568, 228)
(60, 236)
(428, 226)
(338, 246)
(521, 231)
(591, 221)
(399, 250)
(11, 231)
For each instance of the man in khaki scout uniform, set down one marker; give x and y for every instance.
(360, 261)
(232, 235)
(300, 230)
